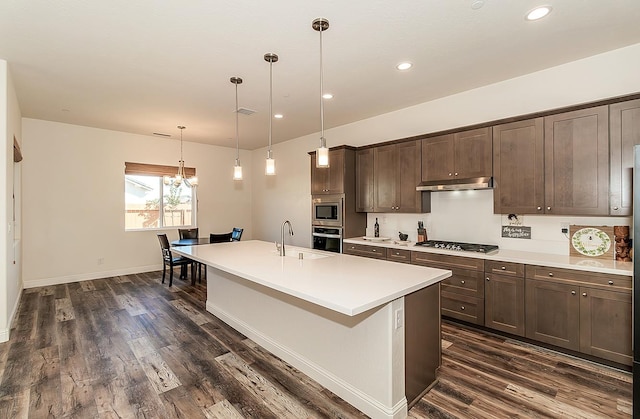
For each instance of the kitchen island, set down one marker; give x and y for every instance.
(368, 330)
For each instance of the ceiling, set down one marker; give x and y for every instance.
(148, 66)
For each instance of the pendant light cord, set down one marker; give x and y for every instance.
(237, 137)
(270, 104)
(322, 140)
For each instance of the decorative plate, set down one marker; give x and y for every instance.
(376, 239)
(591, 241)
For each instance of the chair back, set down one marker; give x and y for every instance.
(219, 238)
(236, 234)
(188, 233)
(165, 246)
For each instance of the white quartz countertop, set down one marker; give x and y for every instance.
(347, 284)
(530, 258)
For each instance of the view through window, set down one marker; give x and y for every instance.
(150, 204)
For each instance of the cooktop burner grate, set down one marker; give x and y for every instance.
(467, 247)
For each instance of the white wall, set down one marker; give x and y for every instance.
(73, 200)
(10, 127)
(464, 216)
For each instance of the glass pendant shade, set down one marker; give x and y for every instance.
(322, 157)
(270, 168)
(237, 171)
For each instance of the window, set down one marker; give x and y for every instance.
(150, 204)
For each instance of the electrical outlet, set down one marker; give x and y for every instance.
(399, 318)
(564, 228)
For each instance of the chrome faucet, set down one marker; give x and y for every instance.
(281, 248)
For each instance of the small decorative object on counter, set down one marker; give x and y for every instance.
(403, 236)
(376, 229)
(622, 243)
(422, 232)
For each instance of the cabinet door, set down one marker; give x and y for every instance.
(385, 161)
(576, 148)
(552, 313)
(319, 178)
(518, 167)
(504, 303)
(605, 324)
(408, 177)
(335, 181)
(625, 133)
(364, 180)
(472, 153)
(437, 158)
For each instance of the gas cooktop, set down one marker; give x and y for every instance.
(467, 247)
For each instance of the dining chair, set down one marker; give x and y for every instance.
(169, 260)
(220, 238)
(196, 267)
(236, 234)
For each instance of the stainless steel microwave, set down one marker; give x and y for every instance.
(327, 210)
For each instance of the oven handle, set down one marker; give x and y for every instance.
(329, 236)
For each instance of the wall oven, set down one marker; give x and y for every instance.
(327, 238)
(327, 210)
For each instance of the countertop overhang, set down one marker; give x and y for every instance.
(606, 266)
(343, 283)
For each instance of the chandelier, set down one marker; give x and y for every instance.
(177, 180)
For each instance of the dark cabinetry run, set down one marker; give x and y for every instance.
(396, 174)
(585, 312)
(462, 155)
(375, 252)
(504, 297)
(364, 180)
(624, 134)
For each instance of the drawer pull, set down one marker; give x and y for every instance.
(462, 308)
(584, 294)
(539, 208)
(550, 273)
(462, 282)
(503, 268)
(573, 293)
(610, 282)
(373, 250)
(615, 208)
(548, 208)
(487, 278)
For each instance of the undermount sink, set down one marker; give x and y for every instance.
(292, 252)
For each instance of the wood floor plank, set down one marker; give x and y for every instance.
(162, 378)
(15, 405)
(195, 316)
(64, 310)
(222, 410)
(45, 393)
(131, 304)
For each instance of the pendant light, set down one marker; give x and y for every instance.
(322, 153)
(179, 177)
(270, 168)
(237, 169)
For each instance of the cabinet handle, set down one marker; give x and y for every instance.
(462, 308)
(573, 293)
(449, 174)
(373, 250)
(503, 268)
(610, 282)
(487, 278)
(615, 208)
(539, 208)
(550, 273)
(548, 208)
(455, 174)
(462, 282)
(584, 294)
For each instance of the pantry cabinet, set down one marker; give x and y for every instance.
(624, 134)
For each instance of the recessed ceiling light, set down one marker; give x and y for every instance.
(278, 116)
(404, 66)
(538, 13)
(477, 4)
(327, 96)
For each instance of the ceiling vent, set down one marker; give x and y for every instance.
(160, 134)
(245, 111)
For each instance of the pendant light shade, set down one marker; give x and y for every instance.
(270, 167)
(322, 153)
(177, 180)
(237, 169)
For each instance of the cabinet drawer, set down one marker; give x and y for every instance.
(446, 261)
(504, 268)
(577, 278)
(462, 307)
(461, 281)
(364, 250)
(399, 255)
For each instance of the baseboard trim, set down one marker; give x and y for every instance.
(357, 398)
(6, 333)
(45, 282)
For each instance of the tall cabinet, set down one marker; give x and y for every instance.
(624, 134)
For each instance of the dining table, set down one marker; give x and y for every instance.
(192, 242)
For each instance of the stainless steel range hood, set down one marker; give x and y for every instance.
(457, 184)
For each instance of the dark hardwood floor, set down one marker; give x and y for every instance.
(130, 347)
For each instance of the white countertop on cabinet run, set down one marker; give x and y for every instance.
(530, 258)
(347, 284)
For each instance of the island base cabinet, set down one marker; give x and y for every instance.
(504, 304)
(605, 324)
(552, 313)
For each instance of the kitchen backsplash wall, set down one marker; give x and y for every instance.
(468, 216)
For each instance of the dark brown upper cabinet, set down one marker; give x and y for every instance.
(461, 155)
(396, 176)
(364, 180)
(518, 167)
(624, 134)
(576, 148)
(328, 180)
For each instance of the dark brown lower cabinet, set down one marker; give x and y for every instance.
(504, 303)
(553, 313)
